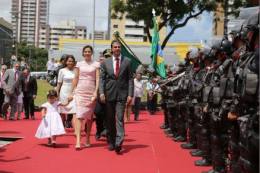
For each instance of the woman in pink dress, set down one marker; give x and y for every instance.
(85, 84)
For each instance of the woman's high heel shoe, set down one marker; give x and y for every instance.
(87, 145)
(77, 147)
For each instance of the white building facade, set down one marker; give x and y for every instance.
(50, 35)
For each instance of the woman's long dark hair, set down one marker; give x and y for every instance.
(68, 57)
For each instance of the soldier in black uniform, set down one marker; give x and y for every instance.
(182, 111)
(196, 96)
(238, 56)
(192, 69)
(218, 128)
(164, 98)
(204, 130)
(170, 95)
(246, 102)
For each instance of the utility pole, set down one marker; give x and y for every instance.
(109, 20)
(93, 32)
(15, 37)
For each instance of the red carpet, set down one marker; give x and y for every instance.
(146, 150)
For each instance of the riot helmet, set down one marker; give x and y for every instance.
(205, 51)
(252, 33)
(193, 54)
(226, 46)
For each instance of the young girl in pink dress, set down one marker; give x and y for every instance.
(51, 124)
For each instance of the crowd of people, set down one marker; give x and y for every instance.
(212, 102)
(18, 89)
(105, 90)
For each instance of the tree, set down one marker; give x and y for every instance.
(35, 57)
(172, 13)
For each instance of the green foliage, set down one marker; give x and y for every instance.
(173, 13)
(43, 88)
(35, 57)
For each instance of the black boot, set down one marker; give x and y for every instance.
(210, 171)
(197, 153)
(202, 162)
(170, 135)
(179, 139)
(164, 126)
(188, 146)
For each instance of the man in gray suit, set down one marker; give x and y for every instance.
(2, 96)
(12, 88)
(116, 90)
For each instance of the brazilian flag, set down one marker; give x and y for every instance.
(127, 52)
(157, 53)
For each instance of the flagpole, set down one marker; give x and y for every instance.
(153, 11)
(93, 32)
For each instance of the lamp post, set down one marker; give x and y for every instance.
(16, 37)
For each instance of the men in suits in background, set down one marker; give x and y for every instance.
(29, 88)
(12, 88)
(100, 111)
(2, 96)
(116, 90)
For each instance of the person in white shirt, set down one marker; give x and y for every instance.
(138, 93)
(50, 65)
(151, 87)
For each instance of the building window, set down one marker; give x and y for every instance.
(134, 36)
(115, 26)
(133, 26)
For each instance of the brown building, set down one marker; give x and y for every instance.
(218, 17)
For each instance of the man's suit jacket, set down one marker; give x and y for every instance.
(31, 88)
(1, 81)
(116, 88)
(10, 85)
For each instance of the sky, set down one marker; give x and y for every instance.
(82, 11)
(195, 30)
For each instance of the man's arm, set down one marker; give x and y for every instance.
(5, 79)
(102, 78)
(35, 87)
(130, 81)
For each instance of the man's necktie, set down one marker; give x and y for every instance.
(15, 75)
(26, 84)
(117, 67)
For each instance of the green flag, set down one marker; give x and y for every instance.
(127, 52)
(157, 53)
